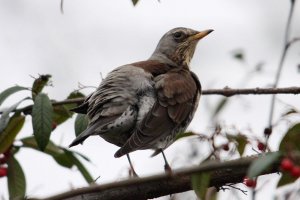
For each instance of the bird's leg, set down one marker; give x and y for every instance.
(131, 166)
(167, 166)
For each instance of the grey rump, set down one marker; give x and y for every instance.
(144, 105)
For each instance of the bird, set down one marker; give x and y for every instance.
(146, 104)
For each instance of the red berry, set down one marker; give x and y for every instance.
(286, 164)
(261, 146)
(225, 147)
(249, 182)
(295, 172)
(3, 171)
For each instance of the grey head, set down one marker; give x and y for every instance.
(178, 45)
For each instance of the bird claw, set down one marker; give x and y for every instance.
(133, 174)
(168, 169)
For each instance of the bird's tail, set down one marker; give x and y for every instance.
(80, 138)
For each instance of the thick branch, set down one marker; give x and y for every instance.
(159, 185)
(227, 92)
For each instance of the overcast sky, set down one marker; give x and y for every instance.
(93, 37)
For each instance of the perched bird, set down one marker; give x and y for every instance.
(144, 105)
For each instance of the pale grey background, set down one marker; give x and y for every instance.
(97, 36)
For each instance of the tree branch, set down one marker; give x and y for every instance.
(227, 92)
(163, 184)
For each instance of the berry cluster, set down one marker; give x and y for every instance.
(288, 165)
(3, 161)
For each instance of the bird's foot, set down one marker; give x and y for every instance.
(133, 174)
(168, 169)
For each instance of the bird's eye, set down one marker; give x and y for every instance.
(178, 35)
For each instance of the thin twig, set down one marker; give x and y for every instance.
(228, 92)
(239, 189)
(287, 44)
(62, 7)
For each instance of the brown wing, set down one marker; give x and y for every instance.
(176, 91)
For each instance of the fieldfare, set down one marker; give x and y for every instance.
(144, 105)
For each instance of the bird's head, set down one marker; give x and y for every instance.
(178, 45)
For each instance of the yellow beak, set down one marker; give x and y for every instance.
(201, 34)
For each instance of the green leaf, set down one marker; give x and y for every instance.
(291, 139)
(134, 2)
(6, 93)
(81, 123)
(80, 166)
(242, 141)
(61, 114)
(5, 115)
(75, 95)
(239, 55)
(9, 134)
(220, 106)
(184, 134)
(200, 183)
(42, 113)
(39, 84)
(262, 164)
(82, 156)
(15, 180)
(289, 112)
(51, 149)
(285, 179)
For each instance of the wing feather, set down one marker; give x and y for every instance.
(176, 93)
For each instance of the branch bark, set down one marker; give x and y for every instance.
(227, 92)
(163, 184)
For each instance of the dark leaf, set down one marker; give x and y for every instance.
(42, 113)
(262, 163)
(285, 179)
(8, 135)
(291, 139)
(134, 2)
(80, 166)
(219, 106)
(6, 93)
(82, 156)
(53, 150)
(184, 134)
(289, 112)
(39, 84)
(15, 180)
(81, 123)
(241, 141)
(200, 183)
(239, 55)
(75, 95)
(61, 113)
(5, 115)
